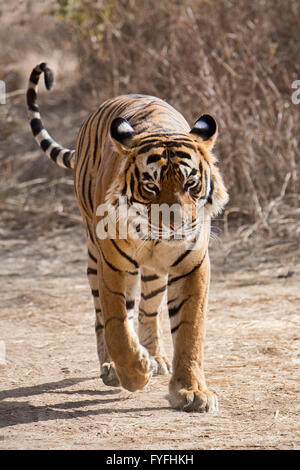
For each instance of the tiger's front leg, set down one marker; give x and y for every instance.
(131, 360)
(187, 294)
(153, 290)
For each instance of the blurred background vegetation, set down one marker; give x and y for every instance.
(235, 59)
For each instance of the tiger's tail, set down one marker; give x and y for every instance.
(63, 157)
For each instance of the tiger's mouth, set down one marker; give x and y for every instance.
(165, 222)
(146, 230)
(137, 221)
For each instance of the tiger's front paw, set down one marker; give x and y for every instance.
(160, 365)
(136, 374)
(200, 400)
(108, 375)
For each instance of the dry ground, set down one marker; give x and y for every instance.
(50, 393)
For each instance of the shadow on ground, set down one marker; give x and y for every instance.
(22, 412)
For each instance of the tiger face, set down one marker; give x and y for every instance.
(170, 176)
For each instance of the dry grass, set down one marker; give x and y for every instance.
(234, 59)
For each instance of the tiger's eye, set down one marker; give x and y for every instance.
(191, 183)
(151, 187)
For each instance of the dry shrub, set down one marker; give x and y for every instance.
(235, 59)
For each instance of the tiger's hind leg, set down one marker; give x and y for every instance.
(153, 291)
(107, 369)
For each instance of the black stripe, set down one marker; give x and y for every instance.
(152, 277)
(124, 190)
(153, 140)
(201, 169)
(140, 190)
(137, 173)
(154, 158)
(147, 176)
(163, 170)
(173, 311)
(185, 164)
(92, 257)
(96, 141)
(103, 108)
(120, 294)
(146, 114)
(148, 147)
(33, 107)
(132, 183)
(175, 328)
(95, 292)
(209, 198)
(132, 273)
(83, 183)
(84, 161)
(154, 314)
(99, 327)
(132, 261)
(90, 195)
(165, 133)
(172, 300)
(133, 111)
(205, 179)
(92, 271)
(183, 140)
(54, 153)
(98, 310)
(36, 126)
(45, 144)
(133, 199)
(129, 304)
(178, 145)
(66, 159)
(197, 266)
(181, 154)
(183, 255)
(111, 266)
(153, 293)
(35, 76)
(31, 97)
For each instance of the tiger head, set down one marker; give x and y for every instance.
(172, 174)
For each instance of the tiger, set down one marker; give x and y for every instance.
(139, 149)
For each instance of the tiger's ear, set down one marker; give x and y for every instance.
(206, 128)
(121, 133)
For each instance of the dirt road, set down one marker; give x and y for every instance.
(51, 396)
